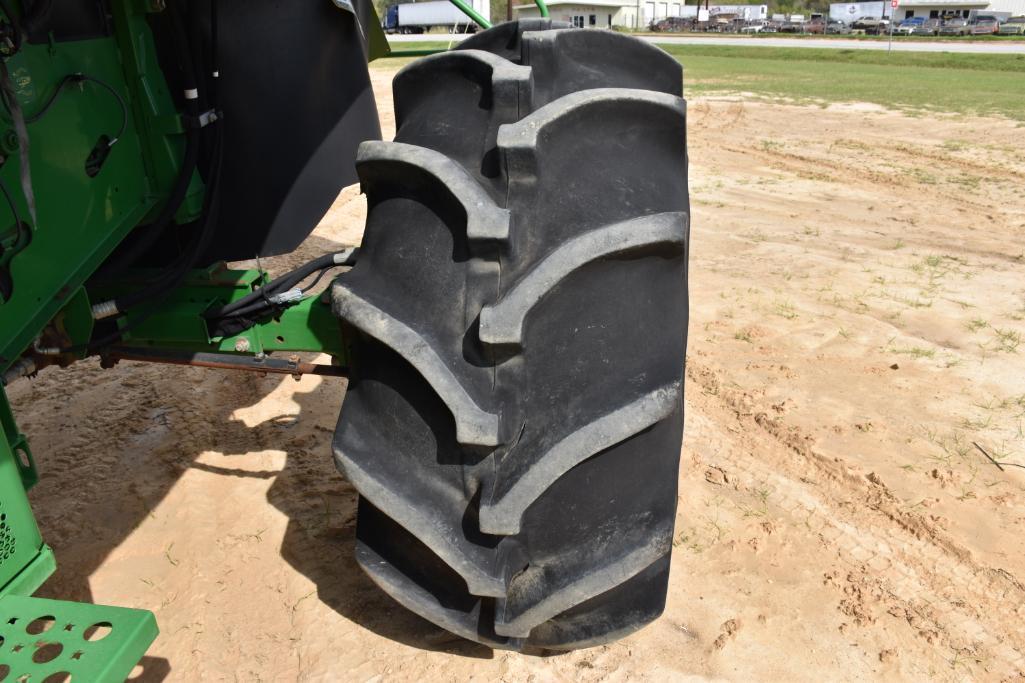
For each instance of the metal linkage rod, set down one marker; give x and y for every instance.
(224, 361)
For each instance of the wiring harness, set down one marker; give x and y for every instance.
(279, 293)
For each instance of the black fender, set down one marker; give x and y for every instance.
(297, 101)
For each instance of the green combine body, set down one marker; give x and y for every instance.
(94, 142)
(42, 268)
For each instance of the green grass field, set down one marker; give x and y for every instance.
(917, 81)
(833, 36)
(924, 81)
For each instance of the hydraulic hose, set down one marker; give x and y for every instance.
(173, 276)
(280, 284)
(283, 291)
(15, 26)
(36, 17)
(79, 77)
(215, 73)
(190, 160)
(150, 233)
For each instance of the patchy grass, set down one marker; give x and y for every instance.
(976, 324)
(913, 351)
(1007, 341)
(981, 84)
(785, 309)
(922, 177)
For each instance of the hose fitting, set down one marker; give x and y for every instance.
(23, 368)
(104, 309)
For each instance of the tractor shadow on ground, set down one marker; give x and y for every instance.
(150, 670)
(320, 537)
(127, 435)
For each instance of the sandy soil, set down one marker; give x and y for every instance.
(858, 298)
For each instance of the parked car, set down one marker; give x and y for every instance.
(817, 26)
(927, 28)
(881, 29)
(872, 26)
(672, 25)
(753, 27)
(721, 23)
(908, 25)
(1015, 26)
(735, 25)
(985, 27)
(837, 27)
(953, 27)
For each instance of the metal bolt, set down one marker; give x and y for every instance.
(10, 142)
(242, 345)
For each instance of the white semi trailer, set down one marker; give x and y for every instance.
(418, 17)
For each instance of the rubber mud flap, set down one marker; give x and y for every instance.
(297, 101)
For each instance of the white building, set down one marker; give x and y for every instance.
(586, 13)
(609, 13)
(936, 9)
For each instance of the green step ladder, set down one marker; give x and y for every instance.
(41, 640)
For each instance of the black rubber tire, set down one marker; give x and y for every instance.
(518, 316)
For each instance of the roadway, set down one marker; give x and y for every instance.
(1010, 47)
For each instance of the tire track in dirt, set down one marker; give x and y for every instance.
(725, 115)
(900, 557)
(810, 167)
(916, 155)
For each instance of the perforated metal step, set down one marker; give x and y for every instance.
(48, 641)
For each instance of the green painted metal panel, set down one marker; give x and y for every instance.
(177, 323)
(81, 218)
(40, 638)
(20, 541)
(33, 575)
(27, 652)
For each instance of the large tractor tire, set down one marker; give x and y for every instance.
(519, 315)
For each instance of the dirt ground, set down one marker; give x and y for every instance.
(858, 307)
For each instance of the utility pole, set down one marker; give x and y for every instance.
(893, 6)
